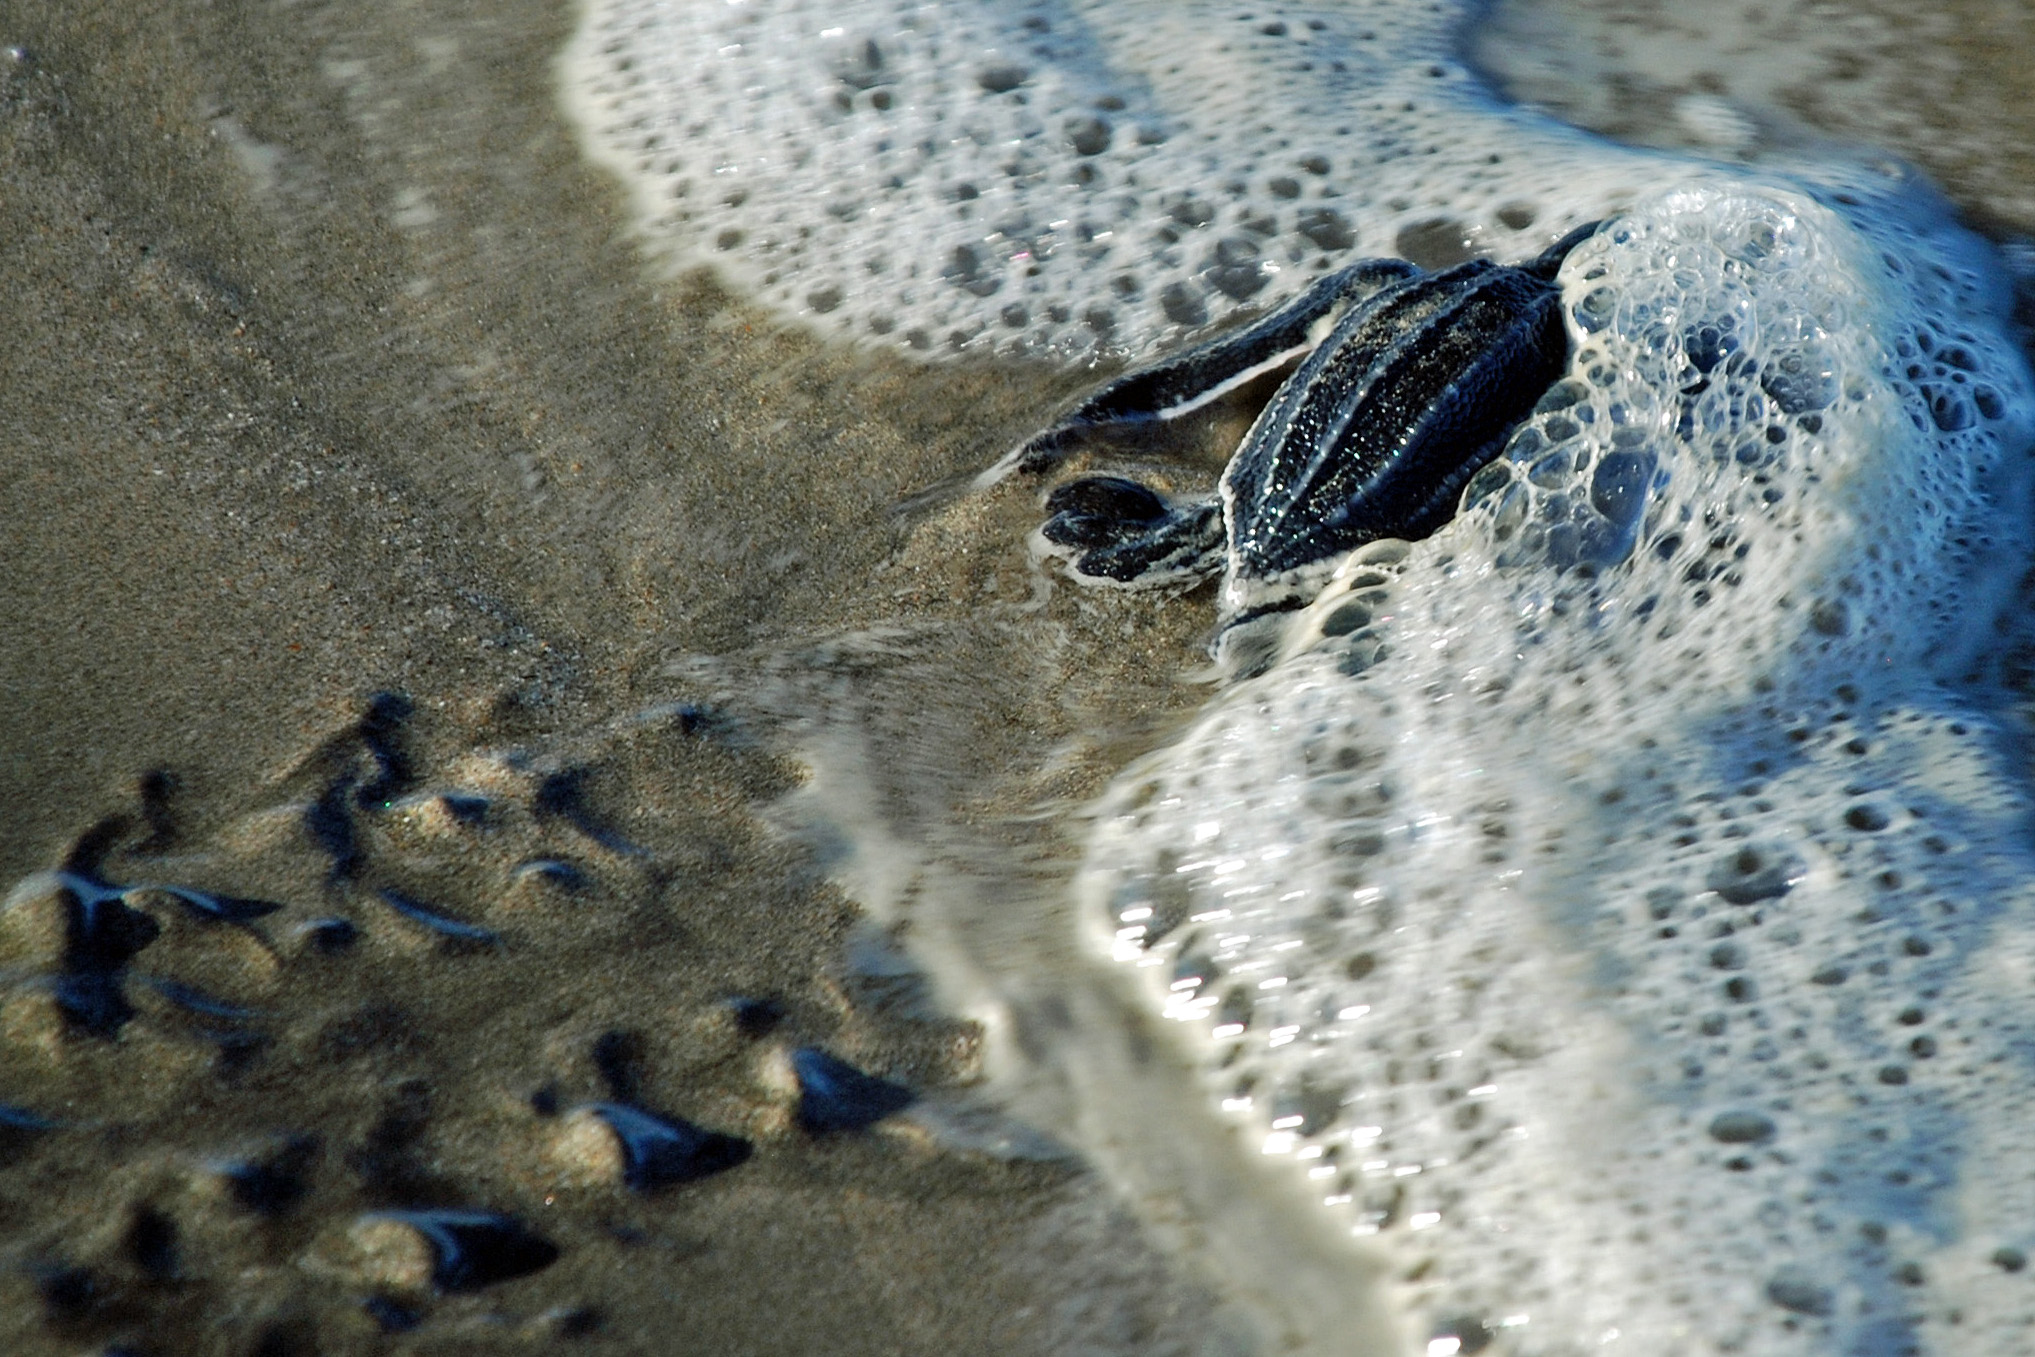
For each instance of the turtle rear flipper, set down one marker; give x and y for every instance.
(1118, 531)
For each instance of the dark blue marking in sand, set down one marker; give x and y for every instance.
(193, 1000)
(578, 1322)
(756, 1017)
(473, 1249)
(102, 933)
(835, 1096)
(19, 1129)
(465, 807)
(657, 1150)
(154, 790)
(215, 908)
(94, 1003)
(619, 1058)
(557, 871)
(329, 822)
(392, 1315)
(693, 719)
(68, 1293)
(332, 936)
(275, 1182)
(88, 854)
(690, 718)
(442, 924)
(14, 1117)
(562, 796)
(151, 1245)
(378, 729)
(238, 1049)
(661, 1151)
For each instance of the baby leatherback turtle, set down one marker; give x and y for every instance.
(1413, 382)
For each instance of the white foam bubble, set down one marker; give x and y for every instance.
(1060, 176)
(1613, 900)
(1557, 902)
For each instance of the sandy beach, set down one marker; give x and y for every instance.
(391, 543)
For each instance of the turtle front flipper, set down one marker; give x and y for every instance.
(1118, 531)
(1191, 379)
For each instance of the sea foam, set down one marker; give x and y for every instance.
(1062, 177)
(1611, 896)
(1617, 902)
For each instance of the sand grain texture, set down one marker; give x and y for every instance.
(331, 371)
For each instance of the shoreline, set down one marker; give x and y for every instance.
(340, 372)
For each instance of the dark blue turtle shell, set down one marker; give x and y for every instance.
(1416, 386)
(1377, 432)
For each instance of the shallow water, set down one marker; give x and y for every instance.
(339, 371)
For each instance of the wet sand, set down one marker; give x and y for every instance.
(332, 372)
